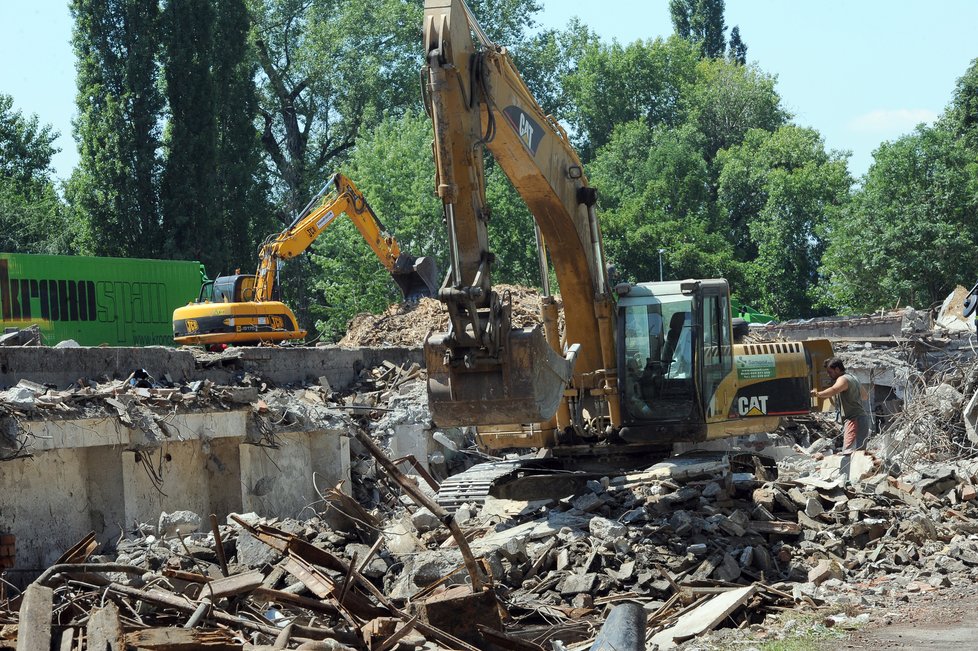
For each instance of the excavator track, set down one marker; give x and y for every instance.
(474, 485)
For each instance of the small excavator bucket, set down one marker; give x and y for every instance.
(416, 277)
(525, 386)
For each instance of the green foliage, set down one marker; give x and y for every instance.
(34, 223)
(26, 149)
(548, 60)
(908, 237)
(32, 217)
(115, 187)
(615, 84)
(728, 100)
(244, 212)
(737, 51)
(961, 117)
(213, 198)
(700, 22)
(654, 195)
(777, 192)
(329, 71)
(512, 237)
(393, 167)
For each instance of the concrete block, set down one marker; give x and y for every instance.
(825, 570)
(573, 584)
(181, 523)
(606, 529)
(277, 482)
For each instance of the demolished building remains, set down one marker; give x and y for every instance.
(256, 498)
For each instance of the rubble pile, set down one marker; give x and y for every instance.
(702, 542)
(407, 324)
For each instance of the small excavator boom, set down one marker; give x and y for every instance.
(244, 309)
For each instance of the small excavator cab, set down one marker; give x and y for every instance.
(230, 289)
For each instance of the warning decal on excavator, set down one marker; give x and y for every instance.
(755, 367)
(529, 131)
(325, 219)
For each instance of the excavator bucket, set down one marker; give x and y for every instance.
(525, 386)
(417, 277)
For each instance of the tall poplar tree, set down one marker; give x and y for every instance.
(115, 187)
(700, 22)
(189, 190)
(245, 215)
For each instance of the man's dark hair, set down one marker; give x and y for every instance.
(836, 363)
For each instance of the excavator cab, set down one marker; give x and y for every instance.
(696, 383)
(657, 359)
(228, 289)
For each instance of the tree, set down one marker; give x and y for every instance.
(213, 195)
(700, 22)
(189, 198)
(31, 215)
(778, 190)
(244, 213)
(26, 149)
(115, 187)
(728, 100)
(330, 72)
(961, 116)
(549, 59)
(908, 237)
(737, 52)
(653, 194)
(617, 84)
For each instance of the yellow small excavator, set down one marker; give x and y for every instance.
(244, 309)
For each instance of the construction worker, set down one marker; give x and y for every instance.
(855, 422)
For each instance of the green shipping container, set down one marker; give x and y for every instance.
(95, 301)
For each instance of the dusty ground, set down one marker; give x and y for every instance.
(940, 620)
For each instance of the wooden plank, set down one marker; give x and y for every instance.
(775, 527)
(703, 618)
(104, 629)
(182, 639)
(34, 625)
(233, 585)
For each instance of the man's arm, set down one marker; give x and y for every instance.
(841, 384)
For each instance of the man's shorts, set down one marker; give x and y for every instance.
(855, 431)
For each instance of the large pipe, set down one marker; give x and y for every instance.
(624, 630)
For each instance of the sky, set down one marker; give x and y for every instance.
(860, 72)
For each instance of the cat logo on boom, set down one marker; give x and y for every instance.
(752, 405)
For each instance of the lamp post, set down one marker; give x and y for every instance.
(661, 251)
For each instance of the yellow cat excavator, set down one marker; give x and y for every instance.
(638, 366)
(243, 309)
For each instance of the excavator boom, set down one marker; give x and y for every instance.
(477, 97)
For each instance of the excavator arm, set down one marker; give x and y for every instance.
(477, 98)
(416, 277)
(243, 309)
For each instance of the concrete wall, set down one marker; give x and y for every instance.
(98, 475)
(282, 366)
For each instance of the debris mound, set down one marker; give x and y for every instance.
(408, 324)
